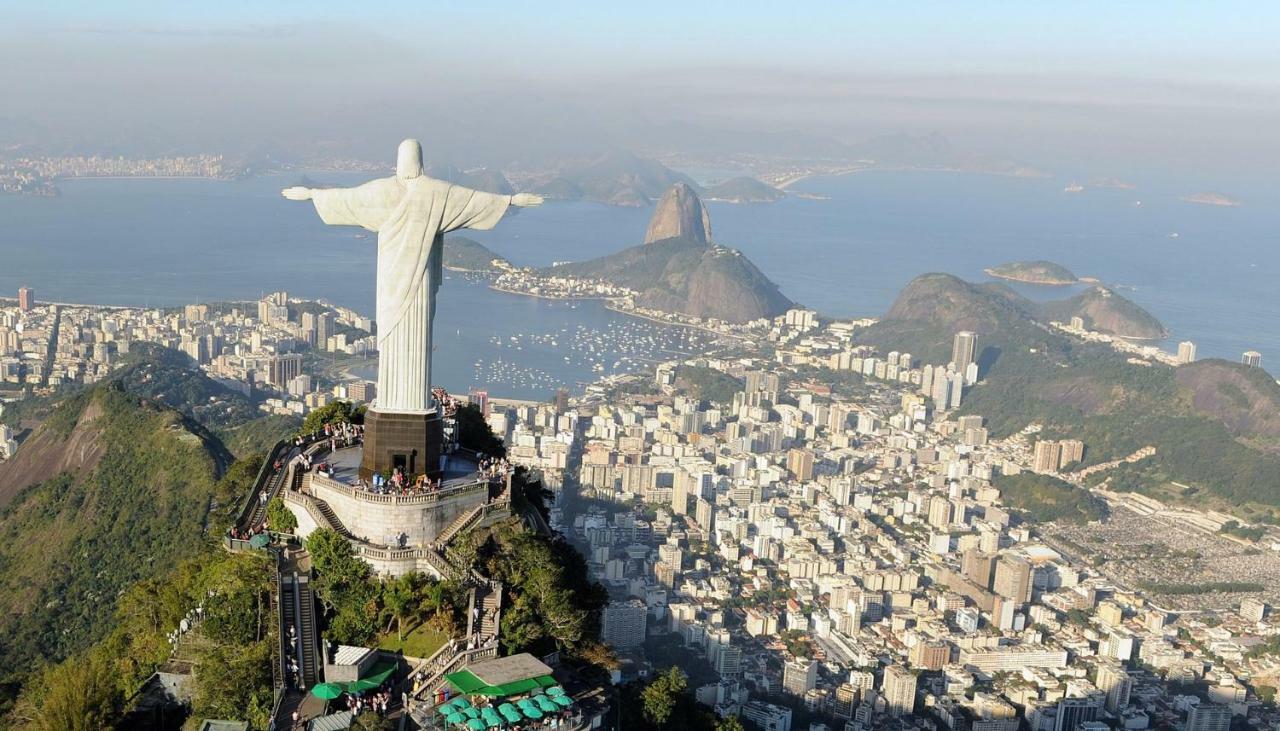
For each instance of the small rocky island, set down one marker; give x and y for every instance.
(1034, 272)
(1211, 199)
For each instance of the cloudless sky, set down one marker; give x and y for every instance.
(1178, 84)
(1218, 41)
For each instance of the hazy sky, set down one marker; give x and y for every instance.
(1135, 83)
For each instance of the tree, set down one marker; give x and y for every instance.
(280, 518)
(661, 696)
(729, 723)
(338, 412)
(73, 696)
(401, 596)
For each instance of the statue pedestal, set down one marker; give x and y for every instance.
(409, 440)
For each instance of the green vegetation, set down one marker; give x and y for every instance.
(744, 189)
(688, 276)
(421, 641)
(258, 435)
(1233, 528)
(359, 607)
(467, 255)
(336, 412)
(1036, 272)
(551, 603)
(231, 649)
(280, 518)
(1212, 587)
(149, 498)
(1045, 499)
(1032, 374)
(666, 703)
(707, 383)
(474, 432)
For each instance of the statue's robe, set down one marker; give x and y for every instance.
(411, 218)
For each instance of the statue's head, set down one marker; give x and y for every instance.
(409, 160)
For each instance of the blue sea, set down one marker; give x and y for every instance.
(169, 242)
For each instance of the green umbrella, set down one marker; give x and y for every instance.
(545, 704)
(456, 718)
(327, 691)
(444, 709)
(460, 703)
(555, 690)
(563, 701)
(359, 686)
(471, 713)
(531, 712)
(493, 721)
(262, 540)
(475, 724)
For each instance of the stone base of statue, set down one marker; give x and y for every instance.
(396, 439)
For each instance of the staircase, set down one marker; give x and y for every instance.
(459, 524)
(490, 613)
(331, 518)
(437, 562)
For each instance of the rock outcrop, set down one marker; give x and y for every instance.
(679, 215)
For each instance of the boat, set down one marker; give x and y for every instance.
(1074, 187)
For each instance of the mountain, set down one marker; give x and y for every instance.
(1246, 400)
(685, 273)
(467, 255)
(679, 215)
(1107, 312)
(1213, 424)
(618, 178)
(744, 190)
(111, 488)
(485, 179)
(1033, 272)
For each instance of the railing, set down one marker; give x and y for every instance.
(267, 468)
(389, 498)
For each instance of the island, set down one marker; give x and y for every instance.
(1034, 272)
(1211, 199)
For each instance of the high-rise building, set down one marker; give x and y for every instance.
(1209, 717)
(977, 566)
(284, 368)
(1254, 610)
(623, 624)
(1072, 450)
(800, 464)
(1013, 578)
(899, 690)
(1252, 358)
(799, 676)
(26, 299)
(940, 512)
(1116, 683)
(1186, 352)
(1074, 711)
(962, 349)
(1048, 456)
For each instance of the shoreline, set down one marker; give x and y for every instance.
(1024, 280)
(786, 183)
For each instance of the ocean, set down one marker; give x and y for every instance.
(168, 242)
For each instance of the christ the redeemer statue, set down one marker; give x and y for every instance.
(411, 214)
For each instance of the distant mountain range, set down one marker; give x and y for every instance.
(678, 269)
(619, 178)
(1214, 423)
